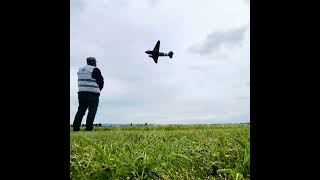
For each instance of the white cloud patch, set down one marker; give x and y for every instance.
(220, 39)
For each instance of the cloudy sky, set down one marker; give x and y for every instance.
(206, 81)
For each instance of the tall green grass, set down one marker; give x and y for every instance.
(162, 152)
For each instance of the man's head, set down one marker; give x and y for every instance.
(91, 61)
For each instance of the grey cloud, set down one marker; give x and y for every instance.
(154, 2)
(216, 40)
(77, 6)
(121, 3)
(242, 98)
(201, 68)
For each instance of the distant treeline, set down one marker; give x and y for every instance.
(145, 124)
(83, 125)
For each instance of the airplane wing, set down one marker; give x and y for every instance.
(155, 59)
(157, 47)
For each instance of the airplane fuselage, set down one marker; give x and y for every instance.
(155, 53)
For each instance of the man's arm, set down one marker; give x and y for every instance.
(96, 74)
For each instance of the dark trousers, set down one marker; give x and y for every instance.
(90, 101)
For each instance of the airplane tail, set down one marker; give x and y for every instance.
(170, 54)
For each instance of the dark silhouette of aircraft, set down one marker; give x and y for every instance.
(154, 54)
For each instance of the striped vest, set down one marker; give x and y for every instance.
(85, 80)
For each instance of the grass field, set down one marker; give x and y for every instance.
(162, 152)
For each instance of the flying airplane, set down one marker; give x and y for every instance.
(154, 54)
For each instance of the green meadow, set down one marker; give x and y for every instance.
(162, 152)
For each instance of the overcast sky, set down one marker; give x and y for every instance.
(206, 81)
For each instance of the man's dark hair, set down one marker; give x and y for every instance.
(91, 61)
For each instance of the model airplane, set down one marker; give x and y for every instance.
(154, 54)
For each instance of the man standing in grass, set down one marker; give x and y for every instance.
(90, 84)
